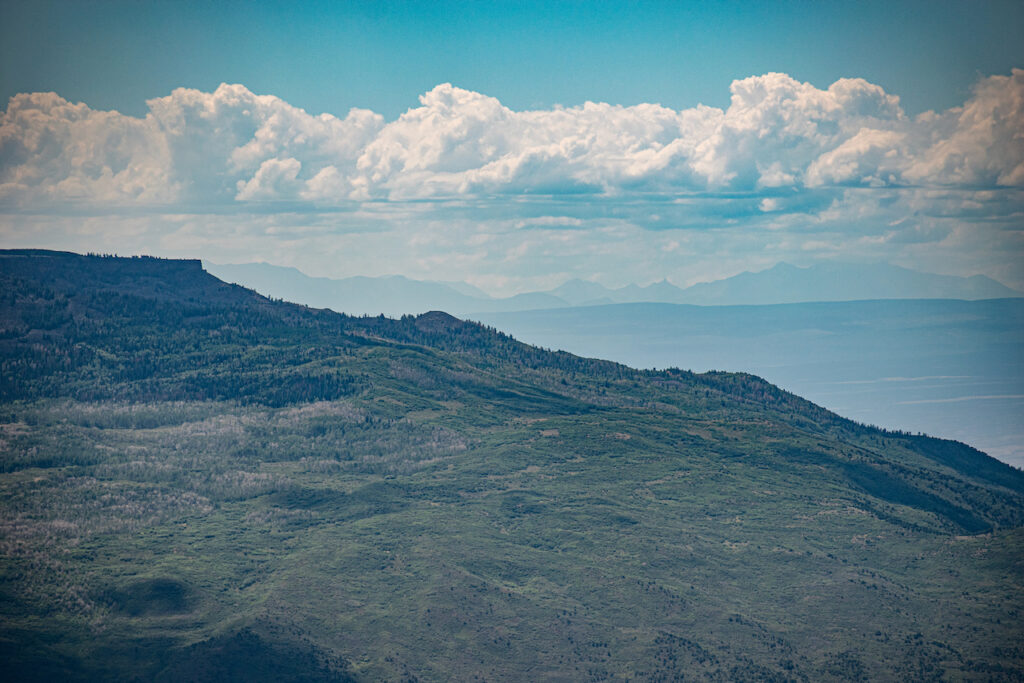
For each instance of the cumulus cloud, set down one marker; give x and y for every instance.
(229, 145)
(870, 157)
(234, 147)
(981, 143)
(51, 149)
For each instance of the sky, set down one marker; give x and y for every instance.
(515, 145)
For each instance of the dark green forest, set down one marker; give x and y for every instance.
(198, 483)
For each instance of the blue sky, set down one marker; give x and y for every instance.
(472, 155)
(331, 56)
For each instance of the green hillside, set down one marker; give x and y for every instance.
(198, 483)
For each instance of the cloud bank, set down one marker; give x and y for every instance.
(233, 147)
(462, 187)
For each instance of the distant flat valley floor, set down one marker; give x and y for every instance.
(948, 368)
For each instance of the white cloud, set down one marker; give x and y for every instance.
(275, 178)
(776, 127)
(871, 157)
(787, 172)
(232, 146)
(979, 144)
(51, 149)
(192, 146)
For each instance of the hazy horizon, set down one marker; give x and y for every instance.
(643, 284)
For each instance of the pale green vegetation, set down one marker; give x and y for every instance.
(426, 499)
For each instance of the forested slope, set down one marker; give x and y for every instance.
(200, 482)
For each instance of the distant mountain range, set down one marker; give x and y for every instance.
(392, 295)
(784, 283)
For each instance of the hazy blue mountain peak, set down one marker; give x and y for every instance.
(577, 291)
(464, 288)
